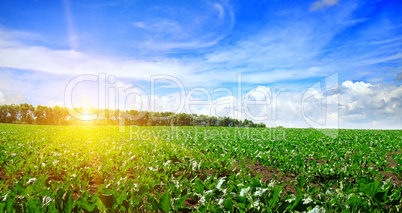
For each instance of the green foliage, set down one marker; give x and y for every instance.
(43, 115)
(205, 169)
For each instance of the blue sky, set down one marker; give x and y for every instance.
(272, 44)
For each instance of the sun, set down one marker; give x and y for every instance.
(87, 117)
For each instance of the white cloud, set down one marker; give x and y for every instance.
(321, 4)
(360, 105)
(191, 72)
(10, 35)
(2, 98)
(15, 98)
(373, 102)
(70, 62)
(275, 54)
(358, 88)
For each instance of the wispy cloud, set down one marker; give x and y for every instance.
(140, 24)
(186, 30)
(321, 4)
(13, 37)
(273, 55)
(195, 70)
(220, 9)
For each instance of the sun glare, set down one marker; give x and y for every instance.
(86, 117)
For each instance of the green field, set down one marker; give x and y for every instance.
(202, 169)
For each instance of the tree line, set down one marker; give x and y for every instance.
(44, 115)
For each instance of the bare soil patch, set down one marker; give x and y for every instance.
(392, 163)
(270, 173)
(319, 161)
(394, 178)
(3, 174)
(191, 202)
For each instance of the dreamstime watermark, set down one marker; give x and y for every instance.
(258, 104)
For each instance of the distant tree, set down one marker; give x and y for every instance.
(212, 121)
(30, 114)
(201, 120)
(13, 112)
(50, 116)
(3, 113)
(56, 115)
(24, 110)
(40, 115)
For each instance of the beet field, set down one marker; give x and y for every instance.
(198, 169)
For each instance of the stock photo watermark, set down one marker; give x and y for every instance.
(319, 104)
(196, 133)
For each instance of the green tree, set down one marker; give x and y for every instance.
(3, 113)
(13, 113)
(40, 115)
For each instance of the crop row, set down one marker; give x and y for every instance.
(214, 169)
